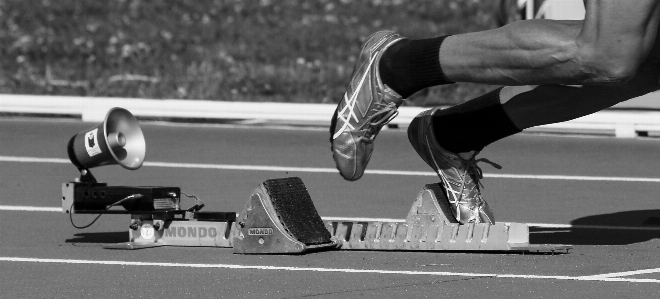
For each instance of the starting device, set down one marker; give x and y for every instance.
(116, 140)
(119, 140)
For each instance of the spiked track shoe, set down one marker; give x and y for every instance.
(459, 177)
(367, 106)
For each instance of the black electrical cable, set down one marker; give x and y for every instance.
(99, 216)
(81, 227)
(198, 203)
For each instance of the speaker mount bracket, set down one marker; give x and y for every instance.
(86, 176)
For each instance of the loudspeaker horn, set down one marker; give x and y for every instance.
(117, 140)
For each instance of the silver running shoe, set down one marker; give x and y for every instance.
(367, 106)
(459, 177)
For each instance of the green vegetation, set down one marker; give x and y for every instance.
(251, 50)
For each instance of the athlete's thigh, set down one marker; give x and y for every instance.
(622, 15)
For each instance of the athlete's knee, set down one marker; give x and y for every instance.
(617, 37)
(612, 72)
(612, 59)
(603, 65)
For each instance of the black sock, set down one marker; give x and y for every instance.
(473, 125)
(547, 104)
(409, 66)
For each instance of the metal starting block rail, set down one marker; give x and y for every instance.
(430, 227)
(280, 218)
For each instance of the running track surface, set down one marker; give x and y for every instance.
(598, 194)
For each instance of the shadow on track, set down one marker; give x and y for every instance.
(100, 237)
(597, 236)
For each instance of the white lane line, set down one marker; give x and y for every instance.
(240, 167)
(626, 273)
(30, 209)
(362, 219)
(367, 219)
(332, 170)
(327, 270)
(572, 178)
(33, 159)
(582, 226)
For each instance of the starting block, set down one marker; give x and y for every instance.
(430, 226)
(280, 218)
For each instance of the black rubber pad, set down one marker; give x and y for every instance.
(296, 211)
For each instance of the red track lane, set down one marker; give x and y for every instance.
(48, 235)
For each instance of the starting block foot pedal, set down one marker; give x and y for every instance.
(280, 217)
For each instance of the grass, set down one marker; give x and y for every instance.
(251, 50)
